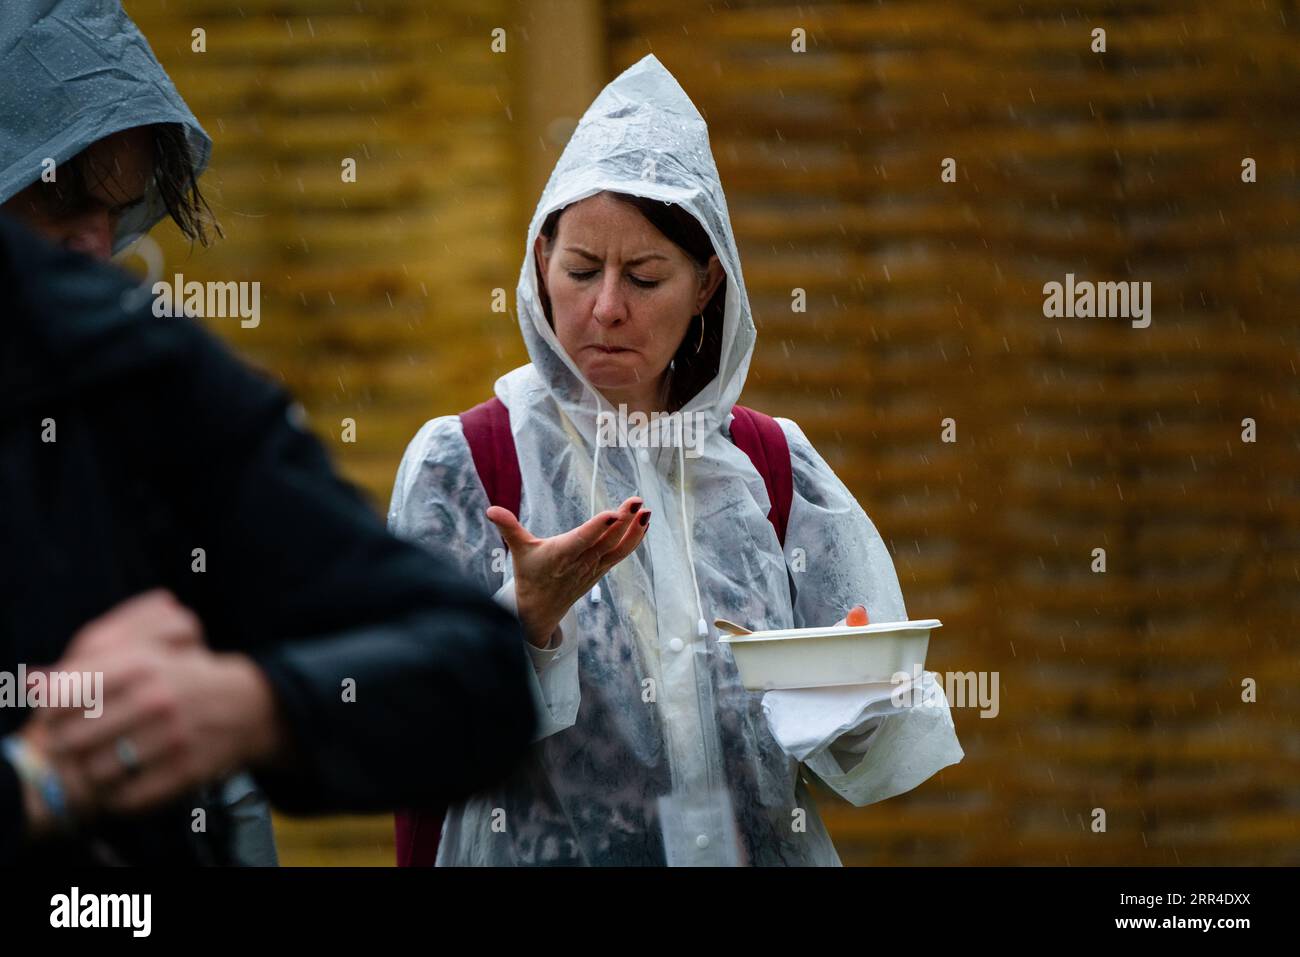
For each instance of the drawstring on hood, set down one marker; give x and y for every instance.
(701, 626)
(595, 471)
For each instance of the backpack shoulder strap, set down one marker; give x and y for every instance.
(417, 835)
(761, 438)
(491, 443)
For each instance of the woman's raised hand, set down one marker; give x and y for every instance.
(553, 573)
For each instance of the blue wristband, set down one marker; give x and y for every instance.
(36, 772)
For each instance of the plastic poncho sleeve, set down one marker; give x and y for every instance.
(838, 559)
(440, 503)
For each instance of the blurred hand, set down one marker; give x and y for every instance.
(175, 715)
(553, 573)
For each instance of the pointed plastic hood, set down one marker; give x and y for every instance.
(643, 136)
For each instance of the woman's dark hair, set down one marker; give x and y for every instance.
(178, 185)
(690, 370)
(173, 175)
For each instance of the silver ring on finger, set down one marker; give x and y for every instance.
(128, 754)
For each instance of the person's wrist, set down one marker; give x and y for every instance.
(261, 731)
(539, 624)
(542, 636)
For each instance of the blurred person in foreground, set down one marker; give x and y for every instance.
(306, 640)
(91, 158)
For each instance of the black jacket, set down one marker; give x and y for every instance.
(164, 444)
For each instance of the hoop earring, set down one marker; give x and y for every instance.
(701, 342)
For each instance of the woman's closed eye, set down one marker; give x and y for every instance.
(642, 283)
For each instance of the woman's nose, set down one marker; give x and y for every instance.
(611, 304)
(91, 234)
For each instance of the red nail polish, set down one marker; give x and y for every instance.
(645, 518)
(636, 507)
(610, 521)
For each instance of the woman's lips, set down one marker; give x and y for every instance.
(610, 350)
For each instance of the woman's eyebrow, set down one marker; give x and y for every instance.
(631, 262)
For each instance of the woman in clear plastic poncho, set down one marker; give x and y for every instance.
(650, 750)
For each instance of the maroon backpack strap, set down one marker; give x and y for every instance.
(761, 438)
(418, 834)
(487, 431)
(418, 831)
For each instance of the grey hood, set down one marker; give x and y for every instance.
(73, 72)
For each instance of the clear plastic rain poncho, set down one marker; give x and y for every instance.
(650, 749)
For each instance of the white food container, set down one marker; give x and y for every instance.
(825, 657)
